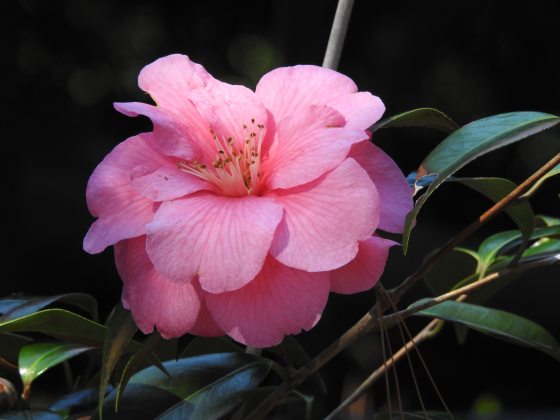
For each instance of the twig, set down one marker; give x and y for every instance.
(423, 335)
(338, 34)
(473, 227)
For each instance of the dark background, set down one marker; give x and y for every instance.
(470, 59)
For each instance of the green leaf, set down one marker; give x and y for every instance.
(135, 362)
(500, 324)
(496, 189)
(60, 324)
(16, 307)
(151, 387)
(553, 172)
(449, 270)
(471, 141)
(120, 330)
(37, 358)
(421, 117)
(221, 396)
(291, 351)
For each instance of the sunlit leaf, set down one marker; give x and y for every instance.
(35, 359)
(16, 307)
(471, 141)
(60, 324)
(421, 117)
(500, 324)
(120, 330)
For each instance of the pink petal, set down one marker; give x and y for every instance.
(395, 195)
(324, 220)
(290, 90)
(122, 211)
(308, 144)
(279, 301)
(205, 326)
(163, 182)
(363, 272)
(171, 134)
(168, 79)
(171, 307)
(223, 240)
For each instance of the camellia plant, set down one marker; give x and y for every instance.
(234, 219)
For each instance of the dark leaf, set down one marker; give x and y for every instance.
(421, 117)
(31, 415)
(16, 307)
(503, 325)
(471, 141)
(206, 345)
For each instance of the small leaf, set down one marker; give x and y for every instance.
(500, 324)
(421, 117)
(471, 141)
(496, 189)
(553, 172)
(16, 307)
(221, 396)
(37, 358)
(60, 324)
(120, 330)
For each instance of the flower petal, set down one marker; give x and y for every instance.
(171, 136)
(173, 308)
(308, 145)
(122, 211)
(165, 182)
(395, 194)
(324, 220)
(223, 240)
(363, 272)
(290, 90)
(279, 301)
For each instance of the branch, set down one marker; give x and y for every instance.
(338, 34)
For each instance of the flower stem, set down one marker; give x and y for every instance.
(338, 34)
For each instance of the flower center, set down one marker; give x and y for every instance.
(236, 167)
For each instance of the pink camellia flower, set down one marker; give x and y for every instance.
(242, 210)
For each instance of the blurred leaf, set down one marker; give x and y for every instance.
(471, 141)
(120, 330)
(11, 344)
(187, 377)
(291, 351)
(449, 270)
(135, 362)
(60, 324)
(16, 307)
(206, 345)
(31, 415)
(221, 396)
(496, 189)
(37, 358)
(84, 399)
(547, 220)
(553, 172)
(503, 325)
(421, 117)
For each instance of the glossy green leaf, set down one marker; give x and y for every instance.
(186, 378)
(471, 141)
(60, 324)
(496, 189)
(553, 172)
(220, 397)
(17, 306)
(120, 330)
(500, 324)
(421, 117)
(37, 358)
